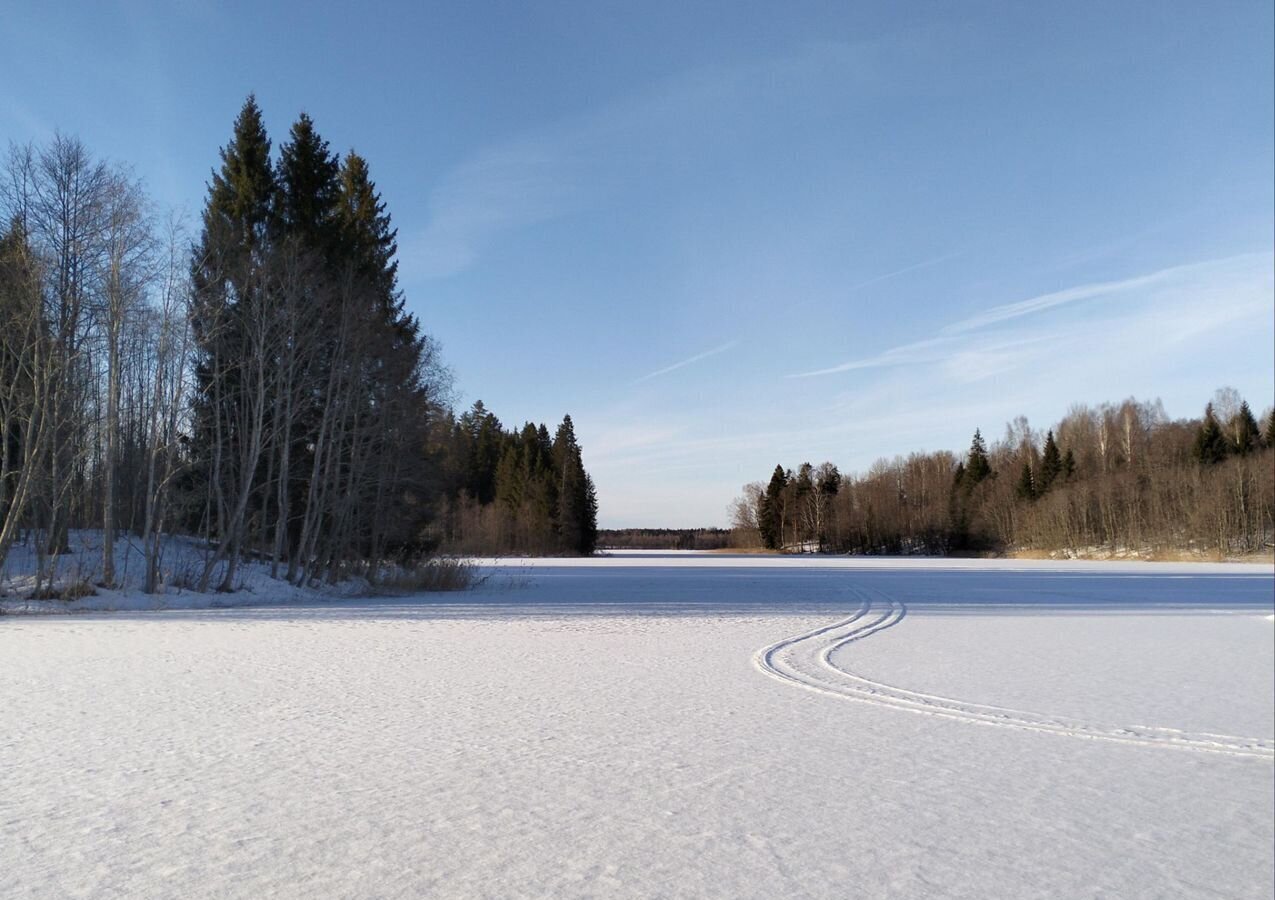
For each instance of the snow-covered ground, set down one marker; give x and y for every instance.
(181, 563)
(659, 726)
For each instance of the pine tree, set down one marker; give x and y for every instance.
(1051, 464)
(1270, 430)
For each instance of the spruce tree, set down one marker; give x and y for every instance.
(1068, 464)
(1245, 436)
(769, 513)
(1210, 444)
(366, 226)
(229, 310)
(242, 193)
(577, 501)
(541, 489)
(1051, 463)
(510, 479)
(238, 219)
(309, 188)
(483, 438)
(589, 528)
(1270, 430)
(829, 482)
(1025, 489)
(977, 465)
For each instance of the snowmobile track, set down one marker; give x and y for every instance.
(805, 660)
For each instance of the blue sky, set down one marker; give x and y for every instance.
(727, 235)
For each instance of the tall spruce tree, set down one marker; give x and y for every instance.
(238, 219)
(367, 228)
(577, 500)
(1051, 464)
(483, 438)
(977, 465)
(1025, 489)
(241, 194)
(230, 323)
(309, 188)
(1244, 434)
(770, 510)
(1210, 444)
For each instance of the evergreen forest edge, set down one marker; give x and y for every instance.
(262, 386)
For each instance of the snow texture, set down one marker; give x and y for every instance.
(658, 726)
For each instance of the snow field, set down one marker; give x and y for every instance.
(605, 731)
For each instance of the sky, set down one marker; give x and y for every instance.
(724, 236)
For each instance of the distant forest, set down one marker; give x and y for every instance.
(1116, 478)
(259, 384)
(665, 539)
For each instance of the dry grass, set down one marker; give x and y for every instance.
(66, 590)
(1147, 554)
(443, 573)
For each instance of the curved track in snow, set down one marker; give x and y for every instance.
(805, 660)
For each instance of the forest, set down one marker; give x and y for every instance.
(1118, 478)
(256, 382)
(665, 539)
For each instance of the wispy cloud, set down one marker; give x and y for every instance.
(929, 350)
(915, 267)
(962, 348)
(516, 185)
(686, 362)
(1008, 311)
(571, 165)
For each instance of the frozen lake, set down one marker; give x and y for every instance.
(659, 725)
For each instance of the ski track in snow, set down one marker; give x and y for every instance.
(805, 660)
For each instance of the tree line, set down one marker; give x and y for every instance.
(513, 491)
(260, 385)
(665, 539)
(1115, 477)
